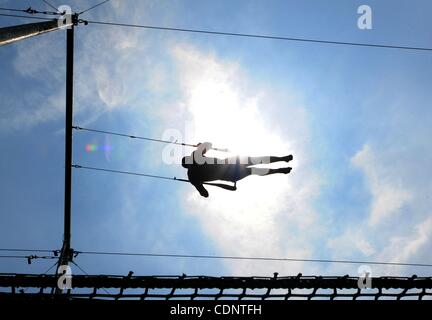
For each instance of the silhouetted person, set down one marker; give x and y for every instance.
(202, 169)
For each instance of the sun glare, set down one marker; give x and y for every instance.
(229, 118)
(221, 117)
(225, 110)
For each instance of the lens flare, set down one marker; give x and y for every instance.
(107, 149)
(91, 147)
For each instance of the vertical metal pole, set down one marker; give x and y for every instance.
(68, 140)
(65, 255)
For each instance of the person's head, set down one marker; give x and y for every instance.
(186, 163)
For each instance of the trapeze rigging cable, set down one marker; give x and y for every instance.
(254, 258)
(96, 5)
(32, 11)
(28, 250)
(220, 185)
(259, 36)
(49, 5)
(29, 258)
(144, 138)
(76, 166)
(197, 256)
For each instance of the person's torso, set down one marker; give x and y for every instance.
(212, 169)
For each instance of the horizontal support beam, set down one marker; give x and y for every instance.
(15, 33)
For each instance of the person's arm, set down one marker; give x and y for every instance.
(198, 154)
(202, 191)
(202, 148)
(197, 184)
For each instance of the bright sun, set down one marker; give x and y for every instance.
(222, 117)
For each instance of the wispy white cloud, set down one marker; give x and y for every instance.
(37, 60)
(113, 66)
(351, 243)
(388, 193)
(397, 227)
(45, 110)
(404, 247)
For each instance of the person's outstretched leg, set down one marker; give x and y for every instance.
(265, 160)
(287, 158)
(265, 171)
(283, 170)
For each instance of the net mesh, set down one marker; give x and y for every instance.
(110, 287)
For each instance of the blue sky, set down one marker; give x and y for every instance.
(356, 119)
